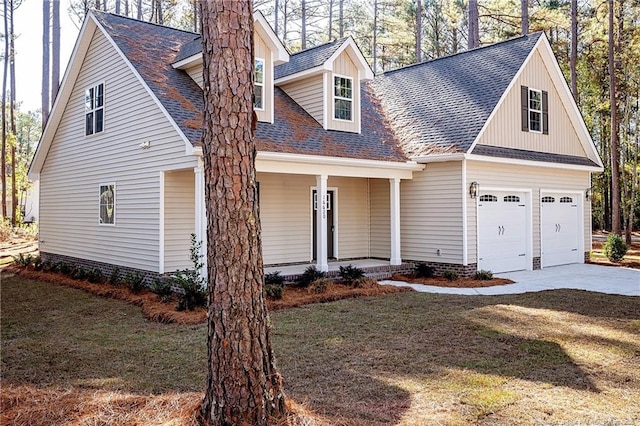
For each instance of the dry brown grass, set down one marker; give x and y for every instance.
(458, 283)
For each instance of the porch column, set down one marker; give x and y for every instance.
(321, 223)
(201, 215)
(394, 192)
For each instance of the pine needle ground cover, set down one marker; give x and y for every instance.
(554, 357)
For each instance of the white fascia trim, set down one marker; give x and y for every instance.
(64, 93)
(337, 161)
(361, 62)
(187, 62)
(280, 54)
(300, 75)
(187, 144)
(504, 96)
(530, 163)
(465, 236)
(439, 158)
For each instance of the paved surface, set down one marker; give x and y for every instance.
(602, 279)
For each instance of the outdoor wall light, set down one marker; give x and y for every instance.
(473, 189)
(587, 193)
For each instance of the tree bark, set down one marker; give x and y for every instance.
(55, 51)
(524, 5)
(419, 31)
(12, 106)
(341, 17)
(117, 7)
(159, 16)
(4, 111)
(139, 14)
(375, 37)
(243, 384)
(615, 150)
(573, 56)
(303, 31)
(330, 6)
(276, 9)
(195, 4)
(474, 36)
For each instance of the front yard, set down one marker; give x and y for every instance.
(542, 358)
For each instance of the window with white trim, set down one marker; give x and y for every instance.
(342, 98)
(489, 198)
(535, 110)
(566, 200)
(548, 200)
(511, 199)
(94, 109)
(107, 204)
(258, 91)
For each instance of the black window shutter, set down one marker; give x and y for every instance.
(545, 112)
(524, 100)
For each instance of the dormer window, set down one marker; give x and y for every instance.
(94, 109)
(343, 98)
(258, 93)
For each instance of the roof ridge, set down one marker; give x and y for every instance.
(475, 49)
(96, 11)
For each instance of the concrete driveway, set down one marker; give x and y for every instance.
(602, 279)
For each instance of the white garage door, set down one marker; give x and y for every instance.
(502, 231)
(560, 231)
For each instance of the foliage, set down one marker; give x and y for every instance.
(114, 278)
(79, 273)
(38, 263)
(350, 274)
(135, 281)
(273, 278)
(308, 276)
(483, 275)
(365, 282)
(614, 248)
(450, 275)
(95, 275)
(422, 270)
(63, 267)
(321, 285)
(163, 288)
(274, 291)
(5, 229)
(23, 260)
(192, 285)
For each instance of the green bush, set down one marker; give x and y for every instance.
(95, 275)
(350, 274)
(308, 276)
(163, 288)
(422, 270)
(274, 291)
(47, 266)
(38, 263)
(135, 281)
(321, 285)
(450, 275)
(23, 260)
(273, 278)
(483, 275)
(114, 278)
(63, 268)
(615, 248)
(79, 273)
(193, 292)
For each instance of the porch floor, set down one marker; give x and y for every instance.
(377, 268)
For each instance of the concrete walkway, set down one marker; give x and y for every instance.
(602, 279)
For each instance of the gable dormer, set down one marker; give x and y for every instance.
(325, 81)
(268, 52)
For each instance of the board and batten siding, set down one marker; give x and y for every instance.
(351, 216)
(308, 94)
(179, 218)
(343, 66)
(505, 128)
(380, 210)
(525, 178)
(431, 214)
(77, 164)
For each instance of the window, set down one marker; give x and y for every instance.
(548, 200)
(511, 199)
(566, 200)
(535, 110)
(107, 204)
(258, 93)
(342, 98)
(489, 198)
(94, 109)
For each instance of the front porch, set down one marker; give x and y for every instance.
(378, 269)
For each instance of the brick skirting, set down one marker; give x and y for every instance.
(536, 263)
(462, 270)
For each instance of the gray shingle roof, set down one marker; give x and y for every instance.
(440, 106)
(190, 49)
(309, 58)
(521, 154)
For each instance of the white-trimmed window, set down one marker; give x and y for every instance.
(107, 204)
(258, 91)
(342, 98)
(94, 109)
(535, 110)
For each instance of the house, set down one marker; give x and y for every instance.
(428, 163)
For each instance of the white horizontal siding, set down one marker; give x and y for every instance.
(195, 72)
(308, 93)
(76, 165)
(351, 216)
(380, 234)
(431, 214)
(179, 218)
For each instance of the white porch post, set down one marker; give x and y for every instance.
(201, 215)
(396, 258)
(321, 223)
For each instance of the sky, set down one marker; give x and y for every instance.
(28, 45)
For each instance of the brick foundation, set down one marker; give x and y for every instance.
(383, 272)
(536, 263)
(587, 256)
(462, 270)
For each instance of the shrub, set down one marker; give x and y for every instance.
(192, 284)
(365, 282)
(162, 287)
(273, 278)
(308, 276)
(422, 270)
(450, 275)
(114, 278)
(23, 260)
(274, 291)
(47, 265)
(38, 263)
(321, 285)
(483, 275)
(350, 274)
(135, 281)
(614, 248)
(95, 275)
(5, 229)
(63, 268)
(79, 273)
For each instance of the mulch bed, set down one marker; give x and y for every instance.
(634, 250)
(459, 283)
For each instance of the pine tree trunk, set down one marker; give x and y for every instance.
(196, 18)
(474, 37)
(375, 37)
(117, 7)
(573, 57)
(46, 73)
(330, 19)
(55, 51)
(276, 10)
(303, 32)
(4, 112)
(12, 106)
(159, 12)
(341, 17)
(524, 5)
(615, 150)
(243, 384)
(139, 13)
(419, 31)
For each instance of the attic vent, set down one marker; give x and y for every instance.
(511, 199)
(566, 200)
(548, 200)
(489, 198)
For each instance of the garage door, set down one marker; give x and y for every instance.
(559, 222)
(502, 231)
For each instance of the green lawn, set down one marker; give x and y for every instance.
(544, 358)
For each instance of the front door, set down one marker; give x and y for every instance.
(330, 225)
